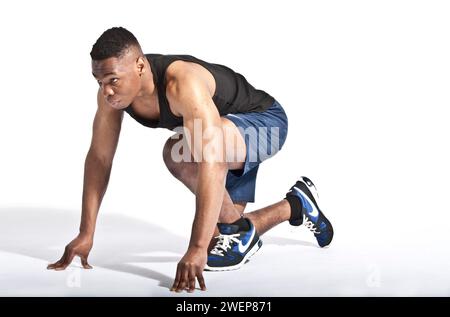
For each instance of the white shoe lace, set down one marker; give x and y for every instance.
(308, 224)
(224, 243)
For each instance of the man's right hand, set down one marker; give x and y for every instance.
(80, 246)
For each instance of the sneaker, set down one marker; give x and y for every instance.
(311, 216)
(233, 248)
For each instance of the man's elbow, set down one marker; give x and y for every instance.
(218, 169)
(217, 166)
(221, 167)
(97, 158)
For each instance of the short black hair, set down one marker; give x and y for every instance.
(114, 42)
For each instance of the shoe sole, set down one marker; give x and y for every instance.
(246, 258)
(312, 188)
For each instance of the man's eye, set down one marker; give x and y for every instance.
(114, 80)
(99, 83)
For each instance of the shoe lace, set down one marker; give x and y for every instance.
(224, 243)
(310, 225)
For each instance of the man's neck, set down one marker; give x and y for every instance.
(147, 85)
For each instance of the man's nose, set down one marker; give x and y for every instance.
(107, 91)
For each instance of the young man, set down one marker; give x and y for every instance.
(225, 129)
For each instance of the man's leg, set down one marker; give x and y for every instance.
(263, 219)
(186, 172)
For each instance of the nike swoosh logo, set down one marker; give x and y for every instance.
(315, 212)
(242, 248)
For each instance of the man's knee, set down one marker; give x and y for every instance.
(235, 148)
(171, 165)
(177, 157)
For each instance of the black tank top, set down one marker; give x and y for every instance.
(233, 93)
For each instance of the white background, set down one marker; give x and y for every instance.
(366, 88)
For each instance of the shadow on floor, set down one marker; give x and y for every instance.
(120, 242)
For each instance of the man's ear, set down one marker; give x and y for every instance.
(140, 65)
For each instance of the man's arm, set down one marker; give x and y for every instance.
(190, 97)
(97, 169)
(98, 163)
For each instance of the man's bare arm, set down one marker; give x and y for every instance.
(192, 98)
(97, 169)
(98, 163)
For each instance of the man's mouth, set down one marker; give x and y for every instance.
(114, 102)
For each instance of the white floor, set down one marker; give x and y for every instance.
(135, 258)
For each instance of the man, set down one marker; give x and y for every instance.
(224, 128)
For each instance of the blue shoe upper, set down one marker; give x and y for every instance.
(312, 216)
(232, 245)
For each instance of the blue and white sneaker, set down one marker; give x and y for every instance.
(233, 248)
(311, 216)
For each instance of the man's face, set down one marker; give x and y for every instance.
(119, 79)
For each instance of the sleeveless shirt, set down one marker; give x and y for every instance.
(234, 94)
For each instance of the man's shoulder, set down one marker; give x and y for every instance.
(179, 69)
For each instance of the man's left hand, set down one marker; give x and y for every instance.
(189, 269)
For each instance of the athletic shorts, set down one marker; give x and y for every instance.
(264, 133)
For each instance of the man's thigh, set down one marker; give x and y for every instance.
(235, 148)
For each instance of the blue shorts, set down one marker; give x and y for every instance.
(264, 133)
